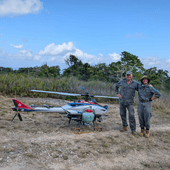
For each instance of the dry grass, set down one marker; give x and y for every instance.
(162, 105)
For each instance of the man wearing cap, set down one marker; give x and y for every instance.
(126, 100)
(146, 95)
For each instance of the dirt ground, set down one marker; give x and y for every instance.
(50, 144)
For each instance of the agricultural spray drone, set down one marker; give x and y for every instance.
(83, 111)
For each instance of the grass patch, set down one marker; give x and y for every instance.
(105, 145)
(34, 144)
(82, 155)
(59, 152)
(65, 157)
(55, 156)
(7, 150)
(17, 127)
(3, 113)
(21, 85)
(125, 149)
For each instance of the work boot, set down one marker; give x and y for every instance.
(142, 132)
(124, 129)
(134, 133)
(147, 134)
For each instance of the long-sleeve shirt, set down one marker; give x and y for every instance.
(127, 91)
(145, 93)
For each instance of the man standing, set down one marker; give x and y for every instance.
(126, 100)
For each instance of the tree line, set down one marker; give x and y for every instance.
(111, 73)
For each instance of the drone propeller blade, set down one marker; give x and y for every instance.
(107, 97)
(61, 93)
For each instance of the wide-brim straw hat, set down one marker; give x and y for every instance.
(145, 77)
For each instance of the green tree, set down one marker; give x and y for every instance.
(132, 62)
(5, 70)
(159, 78)
(74, 66)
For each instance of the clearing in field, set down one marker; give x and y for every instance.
(50, 144)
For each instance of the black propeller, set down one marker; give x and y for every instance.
(19, 116)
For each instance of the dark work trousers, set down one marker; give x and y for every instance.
(145, 114)
(131, 111)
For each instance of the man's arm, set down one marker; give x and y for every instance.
(137, 85)
(156, 93)
(117, 88)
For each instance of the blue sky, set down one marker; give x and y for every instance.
(34, 32)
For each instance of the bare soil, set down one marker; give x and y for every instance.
(50, 144)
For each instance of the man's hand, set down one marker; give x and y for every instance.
(150, 85)
(153, 98)
(118, 95)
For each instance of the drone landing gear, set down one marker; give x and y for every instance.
(19, 116)
(77, 130)
(67, 121)
(17, 113)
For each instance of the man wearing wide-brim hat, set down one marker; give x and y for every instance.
(126, 100)
(146, 95)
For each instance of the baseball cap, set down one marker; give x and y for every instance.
(128, 72)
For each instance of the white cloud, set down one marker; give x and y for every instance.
(1, 35)
(160, 63)
(24, 53)
(150, 61)
(54, 50)
(87, 58)
(19, 7)
(37, 57)
(58, 53)
(115, 57)
(17, 46)
(168, 61)
(100, 54)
